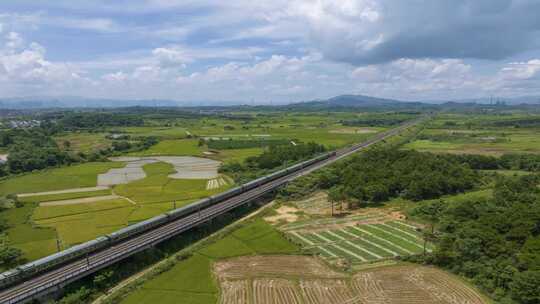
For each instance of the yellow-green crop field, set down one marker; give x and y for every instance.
(476, 134)
(77, 176)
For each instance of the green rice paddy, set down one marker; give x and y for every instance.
(192, 279)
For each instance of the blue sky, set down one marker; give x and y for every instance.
(269, 51)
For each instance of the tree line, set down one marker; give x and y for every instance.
(526, 162)
(381, 174)
(272, 158)
(223, 144)
(34, 148)
(494, 241)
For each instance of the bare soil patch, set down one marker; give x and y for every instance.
(413, 284)
(297, 279)
(397, 215)
(275, 290)
(327, 291)
(285, 213)
(186, 167)
(86, 200)
(315, 204)
(74, 190)
(235, 292)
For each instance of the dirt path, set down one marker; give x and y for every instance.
(85, 200)
(124, 197)
(74, 190)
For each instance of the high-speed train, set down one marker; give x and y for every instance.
(26, 270)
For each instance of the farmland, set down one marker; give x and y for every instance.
(83, 142)
(48, 218)
(362, 243)
(324, 129)
(394, 284)
(192, 278)
(173, 147)
(76, 176)
(348, 251)
(489, 135)
(255, 264)
(59, 198)
(363, 236)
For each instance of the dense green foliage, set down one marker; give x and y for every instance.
(381, 174)
(279, 155)
(374, 122)
(91, 120)
(35, 149)
(273, 157)
(525, 122)
(32, 149)
(527, 162)
(460, 137)
(244, 144)
(494, 241)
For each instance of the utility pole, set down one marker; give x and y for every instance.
(58, 244)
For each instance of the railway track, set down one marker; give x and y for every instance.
(54, 279)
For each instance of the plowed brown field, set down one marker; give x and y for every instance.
(306, 280)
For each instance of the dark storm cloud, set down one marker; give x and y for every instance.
(480, 29)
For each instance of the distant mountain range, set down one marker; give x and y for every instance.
(77, 102)
(348, 101)
(354, 101)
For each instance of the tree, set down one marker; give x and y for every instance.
(77, 297)
(9, 255)
(526, 287)
(529, 256)
(101, 280)
(335, 195)
(121, 145)
(67, 144)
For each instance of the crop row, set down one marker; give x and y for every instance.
(364, 243)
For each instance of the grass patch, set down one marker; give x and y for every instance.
(158, 187)
(48, 212)
(84, 142)
(180, 147)
(165, 296)
(95, 225)
(37, 249)
(161, 132)
(34, 242)
(193, 276)
(236, 155)
(478, 134)
(84, 175)
(144, 211)
(226, 248)
(98, 219)
(63, 196)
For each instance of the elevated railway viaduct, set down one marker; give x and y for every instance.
(51, 280)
